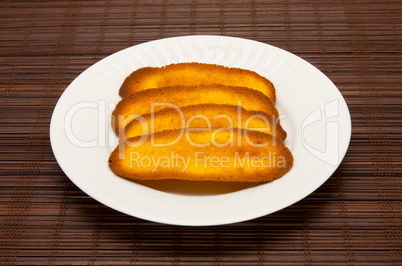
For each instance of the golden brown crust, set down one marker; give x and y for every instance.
(204, 116)
(231, 155)
(140, 103)
(193, 74)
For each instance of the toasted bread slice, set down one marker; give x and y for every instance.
(204, 116)
(231, 155)
(149, 101)
(193, 74)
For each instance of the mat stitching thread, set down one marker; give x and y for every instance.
(193, 14)
(135, 238)
(131, 38)
(177, 246)
(20, 52)
(254, 25)
(162, 25)
(383, 164)
(344, 220)
(221, 17)
(59, 224)
(305, 229)
(378, 138)
(99, 44)
(5, 7)
(217, 246)
(305, 234)
(338, 182)
(12, 229)
(289, 31)
(99, 209)
(54, 80)
(321, 46)
(96, 234)
(261, 241)
(398, 44)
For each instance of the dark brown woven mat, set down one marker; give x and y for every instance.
(353, 219)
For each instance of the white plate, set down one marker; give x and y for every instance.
(313, 111)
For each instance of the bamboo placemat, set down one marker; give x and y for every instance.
(353, 219)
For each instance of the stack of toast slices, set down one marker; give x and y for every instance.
(198, 122)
